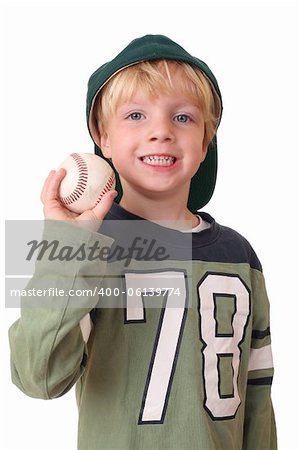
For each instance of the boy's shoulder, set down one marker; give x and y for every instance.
(228, 245)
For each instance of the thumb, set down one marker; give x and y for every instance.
(92, 218)
(104, 206)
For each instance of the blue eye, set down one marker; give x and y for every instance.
(182, 118)
(135, 116)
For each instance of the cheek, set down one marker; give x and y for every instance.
(119, 160)
(120, 142)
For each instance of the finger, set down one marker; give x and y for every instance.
(103, 207)
(98, 213)
(52, 190)
(92, 218)
(46, 183)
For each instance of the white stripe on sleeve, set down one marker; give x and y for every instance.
(86, 326)
(260, 358)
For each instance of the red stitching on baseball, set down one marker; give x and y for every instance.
(109, 184)
(82, 181)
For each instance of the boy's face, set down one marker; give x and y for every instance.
(155, 144)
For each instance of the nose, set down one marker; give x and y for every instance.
(161, 130)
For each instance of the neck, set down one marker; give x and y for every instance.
(168, 209)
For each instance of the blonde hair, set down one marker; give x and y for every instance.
(155, 77)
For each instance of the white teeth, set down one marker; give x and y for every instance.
(158, 160)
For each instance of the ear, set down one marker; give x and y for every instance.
(204, 152)
(105, 145)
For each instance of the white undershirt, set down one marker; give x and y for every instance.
(203, 225)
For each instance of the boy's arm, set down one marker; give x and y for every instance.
(48, 348)
(259, 424)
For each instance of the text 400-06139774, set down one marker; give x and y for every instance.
(146, 292)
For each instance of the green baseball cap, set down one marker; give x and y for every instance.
(149, 48)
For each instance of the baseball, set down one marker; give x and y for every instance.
(88, 177)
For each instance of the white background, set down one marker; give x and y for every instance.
(48, 52)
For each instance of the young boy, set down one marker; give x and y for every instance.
(195, 373)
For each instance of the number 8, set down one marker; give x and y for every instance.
(222, 345)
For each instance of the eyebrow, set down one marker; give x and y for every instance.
(133, 105)
(125, 105)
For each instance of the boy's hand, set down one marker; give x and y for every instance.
(53, 209)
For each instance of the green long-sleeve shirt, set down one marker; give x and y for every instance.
(174, 355)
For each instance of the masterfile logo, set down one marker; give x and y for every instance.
(55, 263)
(141, 250)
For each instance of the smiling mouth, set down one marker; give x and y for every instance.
(158, 160)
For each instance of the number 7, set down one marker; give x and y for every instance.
(167, 342)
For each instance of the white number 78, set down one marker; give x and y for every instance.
(170, 331)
